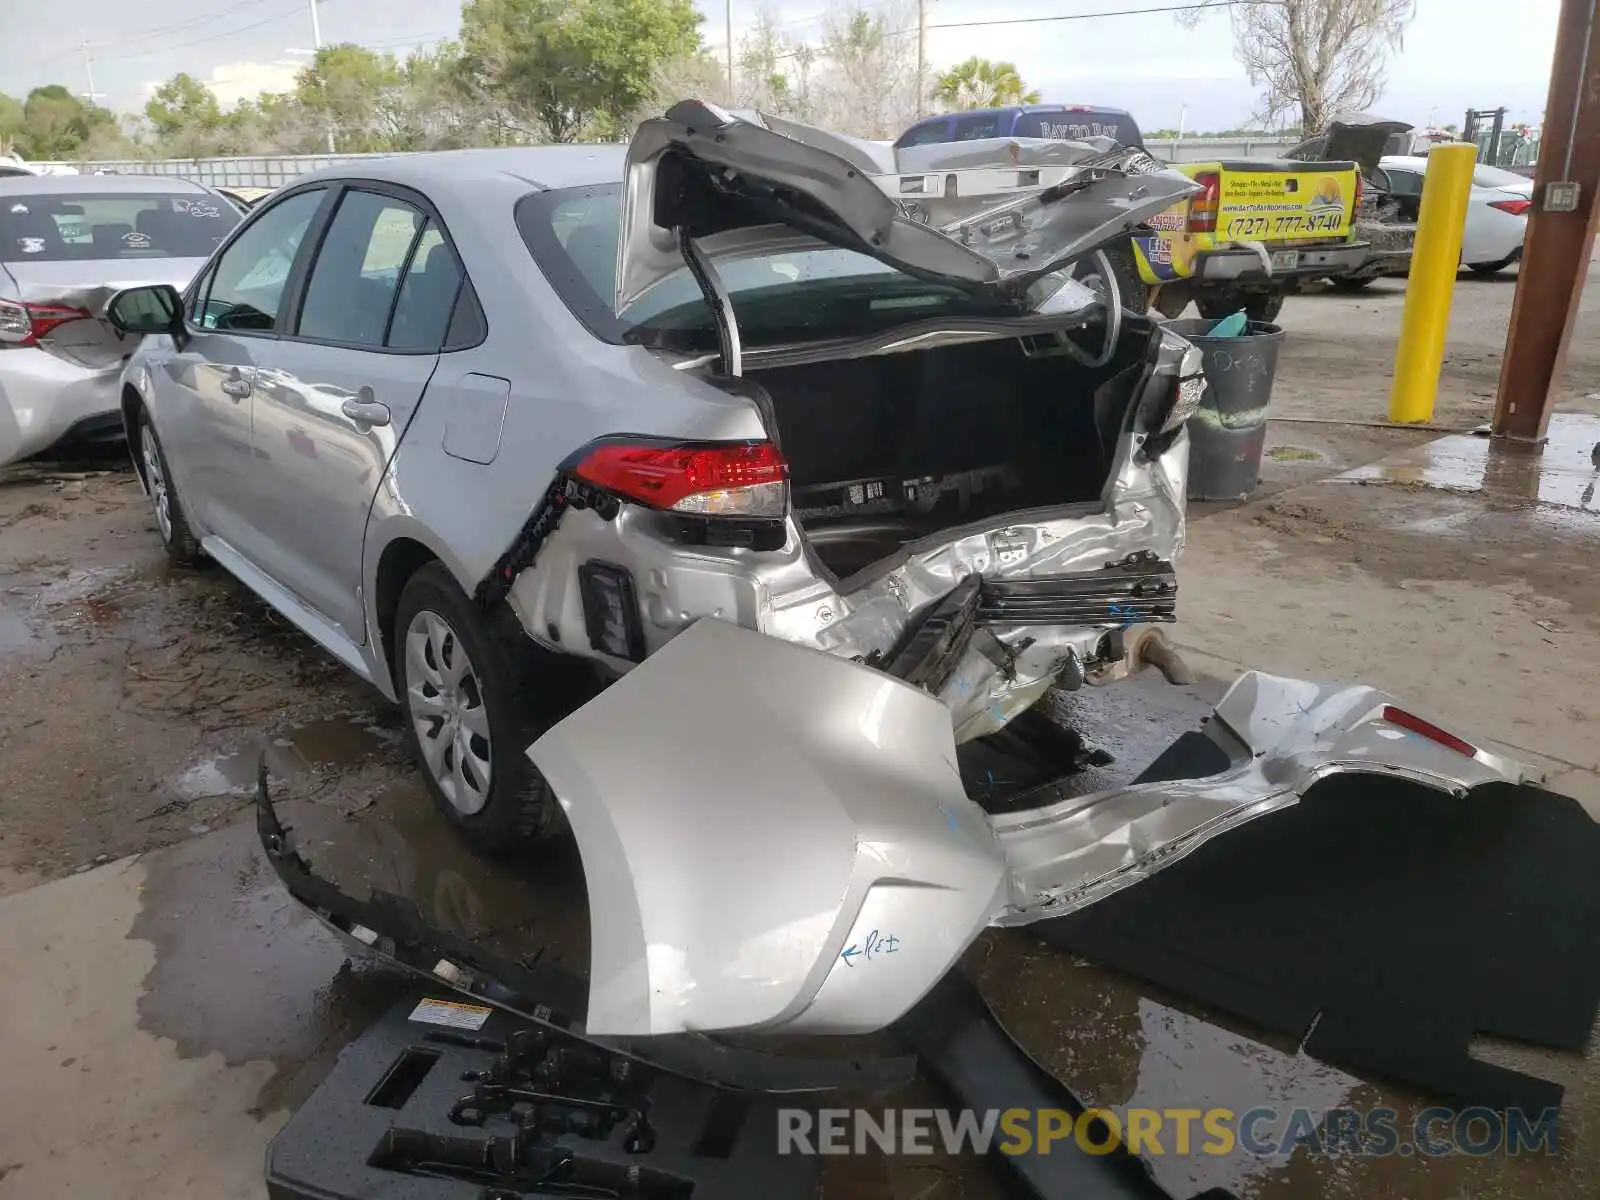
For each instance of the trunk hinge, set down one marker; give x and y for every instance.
(716, 294)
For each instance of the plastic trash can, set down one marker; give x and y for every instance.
(1228, 433)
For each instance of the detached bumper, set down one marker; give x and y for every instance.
(1235, 265)
(781, 841)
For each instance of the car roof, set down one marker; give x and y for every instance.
(545, 167)
(95, 185)
(1406, 162)
(1026, 109)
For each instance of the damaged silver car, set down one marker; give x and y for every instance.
(824, 470)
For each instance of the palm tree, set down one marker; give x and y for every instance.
(981, 83)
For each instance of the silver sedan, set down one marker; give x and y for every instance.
(67, 243)
(811, 490)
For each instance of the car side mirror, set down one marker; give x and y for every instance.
(157, 308)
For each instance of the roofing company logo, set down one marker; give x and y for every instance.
(1328, 194)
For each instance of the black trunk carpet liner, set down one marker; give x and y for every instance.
(1382, 923)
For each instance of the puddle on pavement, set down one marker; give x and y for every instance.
(18, 637)
(521, 907)
(1563, 473)
(241, 969)
(329, 742)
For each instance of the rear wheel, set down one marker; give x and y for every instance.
(1135, 292)
(1258, 306)
(1494, 268)
(1351, 285)
(182, 547)
(467, 683)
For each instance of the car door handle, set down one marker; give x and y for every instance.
(239, 388)
(367, 412)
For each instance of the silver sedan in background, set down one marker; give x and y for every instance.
(67, 243)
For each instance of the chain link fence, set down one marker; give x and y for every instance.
(274, 170)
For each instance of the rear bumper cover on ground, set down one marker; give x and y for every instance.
(780, 840)
(777, 840)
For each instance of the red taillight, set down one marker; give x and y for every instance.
(713, 479)
(1361, 191)
(1203, 204)
(1427, 729)
(1517, 208)
(25, 324)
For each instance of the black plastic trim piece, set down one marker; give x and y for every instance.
(929, 652)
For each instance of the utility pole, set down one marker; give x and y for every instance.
(88, 71)
(922, 54)
(316, 45)
(728, 17)
(1561, 231)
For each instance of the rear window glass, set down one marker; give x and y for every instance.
(1073, 126)
(43, 228)
(970, 129)
(798, 295)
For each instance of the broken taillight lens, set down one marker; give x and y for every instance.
(1203, 205)
(708, 479)
(25, 324)
(1427, 729)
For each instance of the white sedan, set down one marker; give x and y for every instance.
(1497, 212)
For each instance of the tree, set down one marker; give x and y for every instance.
(56, 124)
(566, 68)
(11, 123)
(981, 83)
(180, 105)
(867, 83)
(1320, 57)
(357, 94)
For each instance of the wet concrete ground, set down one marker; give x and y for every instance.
(175, 1006)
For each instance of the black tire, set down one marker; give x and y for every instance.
(1134, 290)
(1351, 285)
(1485, 270)
(519, 810)
(179, 541)
(1258, 306)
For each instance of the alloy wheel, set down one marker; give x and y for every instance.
(156, 480)
(444, 700)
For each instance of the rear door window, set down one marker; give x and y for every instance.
(1079, 124)
(357, 273)
(73, 227)
(427, 298)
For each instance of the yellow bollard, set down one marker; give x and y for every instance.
(1434, 264)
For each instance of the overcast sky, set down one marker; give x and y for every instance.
(1458, 53)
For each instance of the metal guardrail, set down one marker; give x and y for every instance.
(274, 170)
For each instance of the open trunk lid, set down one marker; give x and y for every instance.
(1361, 138)
(746, 185)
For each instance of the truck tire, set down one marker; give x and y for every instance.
(1135, 291)
(1258, 306)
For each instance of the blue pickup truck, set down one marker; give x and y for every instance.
(1067, 122)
